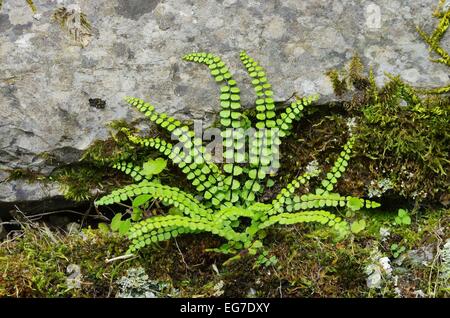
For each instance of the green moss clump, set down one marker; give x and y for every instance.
(25, 174)
(36, 264)
(80, 182)
(339, 85)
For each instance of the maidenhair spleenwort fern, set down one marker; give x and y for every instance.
(227, 194)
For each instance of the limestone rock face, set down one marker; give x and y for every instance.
(135, 46)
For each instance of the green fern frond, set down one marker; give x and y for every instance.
(157, 229)
(219, 70)
(230, 117)
(293, 113)
(204, 174)
(315, 201)
(318, 216)
(338, 168)
(159, 144)
(169, 195)
(265, 105)
(261, 151)
(230, 100)
(127, 167)
(287, 193)
(169, 123)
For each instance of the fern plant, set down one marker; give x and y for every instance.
(226, 203)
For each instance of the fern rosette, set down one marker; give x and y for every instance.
(228, 194)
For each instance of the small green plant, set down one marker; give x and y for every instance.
(153, 167)
(119, 225)
(358, 226)
(402, 218)
(397, 250)
(226, 203)
(266, 260)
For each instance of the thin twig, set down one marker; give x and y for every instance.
(10, 223)
(124, 205)
(34, 216)
(126, 256)
(87, 214)
(182, 256)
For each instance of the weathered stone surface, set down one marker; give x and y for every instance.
(46, 79)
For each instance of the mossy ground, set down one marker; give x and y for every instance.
(310, 263)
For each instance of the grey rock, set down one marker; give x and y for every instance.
(134, 9)
(21, 190)
(47, 79)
